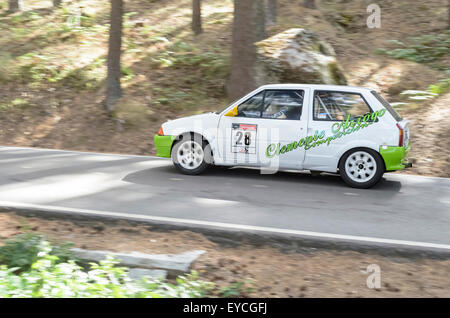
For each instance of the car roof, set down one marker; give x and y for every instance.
(316, 87)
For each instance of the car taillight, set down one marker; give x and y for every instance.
(160, 132)
(400, 136)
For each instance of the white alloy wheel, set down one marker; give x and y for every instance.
(190, 154)
(360, 167)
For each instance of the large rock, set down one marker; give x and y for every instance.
(174, 264)
(297, 56)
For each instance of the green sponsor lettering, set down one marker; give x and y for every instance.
(344, 128)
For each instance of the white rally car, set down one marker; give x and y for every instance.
(322, 128)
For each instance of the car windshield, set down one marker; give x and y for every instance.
(388, 106)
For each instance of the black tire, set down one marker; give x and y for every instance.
(373, 177)
(206, 161)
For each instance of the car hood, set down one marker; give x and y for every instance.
(202, 121)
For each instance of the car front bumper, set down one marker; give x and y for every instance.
(395, 158)
(163, 145)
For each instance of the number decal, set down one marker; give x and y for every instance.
(239, 137)
(247, 139)
(243, 138)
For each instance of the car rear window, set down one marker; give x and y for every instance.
(388, 106)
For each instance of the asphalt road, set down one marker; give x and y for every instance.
(403, 209)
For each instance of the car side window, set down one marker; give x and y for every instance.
(283, 104)
(336, 106)
(252, 106)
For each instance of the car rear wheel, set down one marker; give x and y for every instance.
(361, 168)
(191, 154)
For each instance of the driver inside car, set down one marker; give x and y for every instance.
(282, 107)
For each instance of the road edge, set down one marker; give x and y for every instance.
(233, 237)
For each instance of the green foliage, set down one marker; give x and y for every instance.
(127, 73)
(442, 87)
(237, 289)
(421, 49)
(88, 77)
(210, 69)
(35, 68)
(20, 103)
(50, 276)
(24, 17)
(416, 97)
(127, 21)
(22, 251)
(173, 98)
(182, 55)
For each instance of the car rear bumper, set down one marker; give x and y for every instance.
(395, 158)
(163, 145)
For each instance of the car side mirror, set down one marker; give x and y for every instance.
(232, 112)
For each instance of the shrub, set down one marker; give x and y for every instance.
(420, 49)
(211, 68)
(48, 276)
(237, 289)
(442, 87)
(22, 251)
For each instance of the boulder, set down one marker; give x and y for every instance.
(297, 56)
(173, 264)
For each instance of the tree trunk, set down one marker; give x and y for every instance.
(57, 3)
(259, 20)
(197, 16)
(271, 11)
(113, 89)
(311, 4)
(15, 6)
(243, 52)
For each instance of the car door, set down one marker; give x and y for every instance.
(261, 130)
(330, 110)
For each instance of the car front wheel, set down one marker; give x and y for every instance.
(361, 168)
(191, 154)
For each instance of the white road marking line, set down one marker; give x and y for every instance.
(259, 186)
(350, 193)
(12, 205)
(176, 179)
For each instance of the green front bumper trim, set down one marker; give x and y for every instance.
(394, 157)
(163, 145)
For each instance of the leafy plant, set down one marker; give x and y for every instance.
(421, 49)
(127, 73)
(237, 289)
(48, 276)
(22, 251)
(442, 87)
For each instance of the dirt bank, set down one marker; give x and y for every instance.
(264, 270)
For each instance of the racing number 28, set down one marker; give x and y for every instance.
(247, 138)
